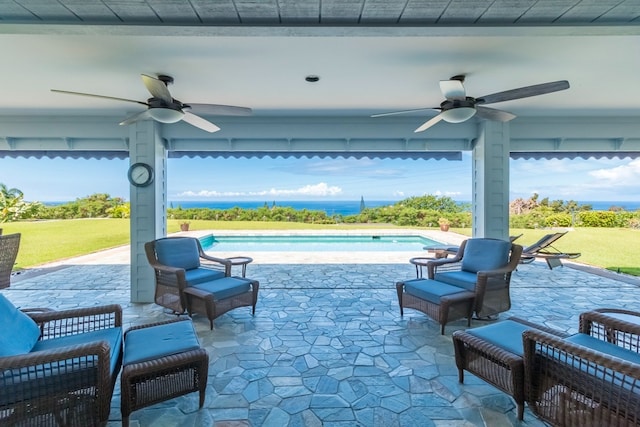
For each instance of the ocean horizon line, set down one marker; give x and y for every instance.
(339, 207)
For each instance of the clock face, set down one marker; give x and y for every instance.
(140, 174)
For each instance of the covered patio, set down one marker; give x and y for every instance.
(327, 345)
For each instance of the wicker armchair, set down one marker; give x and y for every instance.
(68, 377)
(617, 326)
(482, 266)
(9, 244)
(189, 280)
(587, 379)
(179, 262)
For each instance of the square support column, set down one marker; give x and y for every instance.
(490, 181)
(148, 205)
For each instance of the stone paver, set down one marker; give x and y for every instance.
(327, 346)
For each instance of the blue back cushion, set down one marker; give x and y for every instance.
(19, 331)
(485, 254)
(179, 252)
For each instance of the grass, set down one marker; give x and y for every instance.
(46, 241)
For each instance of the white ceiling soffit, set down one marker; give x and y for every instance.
(372, 56)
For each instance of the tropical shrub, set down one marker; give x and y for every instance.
(559, 220)
(13, 207)
(597, 219)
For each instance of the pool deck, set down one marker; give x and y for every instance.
(327, 346)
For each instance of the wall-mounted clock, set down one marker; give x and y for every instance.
(140, 174)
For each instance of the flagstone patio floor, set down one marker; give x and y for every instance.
(327, 346)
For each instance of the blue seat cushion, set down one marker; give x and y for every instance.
(196, 276)
(112, 335)
(604, 347)
(179, 252)
(506, 334)
(462, 279)
(226, 287)
(484, 254)
(430, 290)
(63, 376)
(154, 342)
(19, 331)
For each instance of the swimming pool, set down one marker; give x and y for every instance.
(314, 243)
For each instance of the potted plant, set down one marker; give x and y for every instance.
(184, 226)
(444, 224)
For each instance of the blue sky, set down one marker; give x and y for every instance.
(323, 179)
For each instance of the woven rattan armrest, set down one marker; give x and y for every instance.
(98, 348)
(54, 324)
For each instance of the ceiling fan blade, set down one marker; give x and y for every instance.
(453, 89)
(393, 113)
(523, 92)
(157, 88)
(219, 110)
(493, 114)
(146, 114)
(98, 96)
(199, 122)
(426, 125)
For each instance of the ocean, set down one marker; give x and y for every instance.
(331, 207)
(349, 207)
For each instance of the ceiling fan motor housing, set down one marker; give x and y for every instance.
(160, 103)
(167, 80)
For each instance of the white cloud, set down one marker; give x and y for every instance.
(315, 190)
(628, 174)
(583, 180)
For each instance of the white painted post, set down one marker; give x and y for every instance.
(490, 181)
(148, 205)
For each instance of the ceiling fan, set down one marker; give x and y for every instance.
(458, 107)
(163, 108)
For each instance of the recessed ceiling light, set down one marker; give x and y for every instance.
(312, 79)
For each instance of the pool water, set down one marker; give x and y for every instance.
(313, 243)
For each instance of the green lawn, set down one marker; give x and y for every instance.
(616, 249)
(46, 241)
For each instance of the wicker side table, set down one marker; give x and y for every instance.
(478, 351)
(161, 361)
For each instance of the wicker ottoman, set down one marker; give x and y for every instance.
(440, 301)
(161, 361)
(494, 353)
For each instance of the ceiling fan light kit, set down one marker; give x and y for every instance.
(166, 115)
(458, 107)
(163, 108)
(458, 115)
